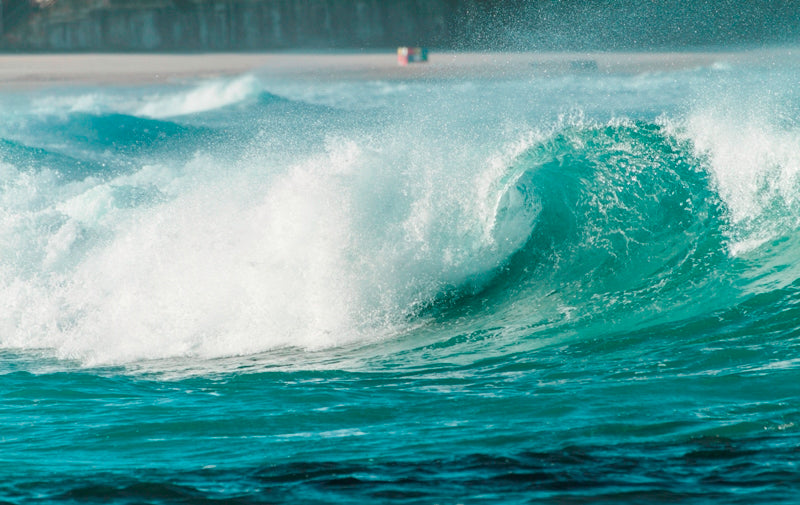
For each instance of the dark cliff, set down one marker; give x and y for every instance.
(227, 25)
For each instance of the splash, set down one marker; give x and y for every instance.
(217, 230)
(237, 252)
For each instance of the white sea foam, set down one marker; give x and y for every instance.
(754, 158)
(343, 243)
(157, 102)
(206, 96)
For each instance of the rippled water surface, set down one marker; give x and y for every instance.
(572, 288)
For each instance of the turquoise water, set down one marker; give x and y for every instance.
(569, 288)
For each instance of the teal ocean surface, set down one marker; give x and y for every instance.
(567, 287)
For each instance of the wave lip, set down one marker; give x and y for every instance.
(207, 96)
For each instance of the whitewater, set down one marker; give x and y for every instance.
(565, 284)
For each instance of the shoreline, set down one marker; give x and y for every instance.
(19, 72)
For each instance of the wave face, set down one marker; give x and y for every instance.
(575, 287)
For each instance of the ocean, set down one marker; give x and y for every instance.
(571, 286)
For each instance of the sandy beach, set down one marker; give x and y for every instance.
(28, 71)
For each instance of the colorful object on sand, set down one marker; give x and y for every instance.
(406, 55)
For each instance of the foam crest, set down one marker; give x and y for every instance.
(207, 96)
(157, 102)
(91, 102)
(345, 243)
(755, 163)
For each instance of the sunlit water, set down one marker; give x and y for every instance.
(571, 288)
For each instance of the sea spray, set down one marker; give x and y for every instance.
(218, 253)
(530, 288)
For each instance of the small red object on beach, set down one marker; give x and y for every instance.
(406, 55)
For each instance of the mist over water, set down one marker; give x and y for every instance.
(575, 285)
(623, 25)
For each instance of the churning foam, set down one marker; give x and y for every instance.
(231, 254)
(755, 164)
